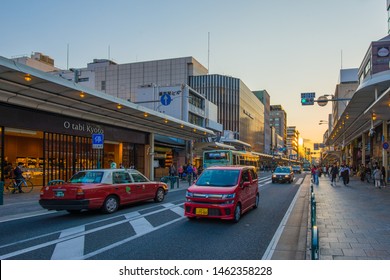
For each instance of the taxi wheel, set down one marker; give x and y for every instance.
(257, 201)
(110, 205)
(237, 213)
(160, 194)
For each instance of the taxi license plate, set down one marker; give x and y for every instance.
(59, 194)
(202, 211)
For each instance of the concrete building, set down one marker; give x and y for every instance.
(239, 110)
(38, 61)
(292, 142)
(344, 90)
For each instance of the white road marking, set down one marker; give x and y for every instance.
(71, 248)
(141, 225)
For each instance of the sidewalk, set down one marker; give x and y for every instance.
(353, 221)
(26, 204)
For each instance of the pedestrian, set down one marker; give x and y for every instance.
(367, 173)
(334, 171)
(384, 178)
(200, 169)
(317, 174)
(18, 176)
(190, 172)
(172, 170)
(180, 170)
(344, 173)
(377, 174)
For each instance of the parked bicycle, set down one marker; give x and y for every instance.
(25, 185)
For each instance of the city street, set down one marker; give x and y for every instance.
(149, 231)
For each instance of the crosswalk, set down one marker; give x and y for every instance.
(71, 242)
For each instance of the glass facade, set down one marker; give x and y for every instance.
(239, 110)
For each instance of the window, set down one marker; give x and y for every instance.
(121, 178)
(138, 178)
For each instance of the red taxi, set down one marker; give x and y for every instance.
(104, 189)
(223, 192)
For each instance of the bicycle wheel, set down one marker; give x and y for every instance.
(10, 187)
(27, 186)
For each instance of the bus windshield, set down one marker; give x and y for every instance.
(216, 158)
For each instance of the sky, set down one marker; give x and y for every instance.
(285, 47)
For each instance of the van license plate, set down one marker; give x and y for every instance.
(202, 211)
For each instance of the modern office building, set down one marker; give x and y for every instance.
(265, 98)
(278, 119)
(239, 110)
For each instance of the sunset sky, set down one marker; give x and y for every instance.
(286, 47)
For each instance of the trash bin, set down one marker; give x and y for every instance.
(1, 192)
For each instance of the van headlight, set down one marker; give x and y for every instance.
(189, 194)
(228, 196)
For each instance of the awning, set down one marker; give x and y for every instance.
(372, 96)
(53, 94)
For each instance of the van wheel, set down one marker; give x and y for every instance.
(110, 205)
(237, 213)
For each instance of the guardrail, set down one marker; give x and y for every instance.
(315, 247)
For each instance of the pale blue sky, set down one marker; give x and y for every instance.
(286, 47)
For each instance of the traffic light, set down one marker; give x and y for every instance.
(307, 98)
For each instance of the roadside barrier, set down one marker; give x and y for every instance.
(314, 229)
(172, 179)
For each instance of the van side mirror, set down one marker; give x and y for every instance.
(245, 184)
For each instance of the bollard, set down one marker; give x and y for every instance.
(311, 188)
(173, 180)
(190, 179)
(177, 179)
(315, 247)
(313, 211)
(1, 192)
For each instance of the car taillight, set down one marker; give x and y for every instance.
(42, 191)
(79, 194)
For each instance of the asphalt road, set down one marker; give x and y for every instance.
(149, 231)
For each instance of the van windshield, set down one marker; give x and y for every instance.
(218, 178)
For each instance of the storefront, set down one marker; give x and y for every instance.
(53, 146)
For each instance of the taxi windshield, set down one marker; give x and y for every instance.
(218, 178)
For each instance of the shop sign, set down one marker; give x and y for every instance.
(83, 127)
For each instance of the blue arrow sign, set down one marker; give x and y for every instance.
(166, 99)
(97, 141)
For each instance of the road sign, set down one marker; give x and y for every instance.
(322, 101)
(307, 98)
(97, 141)
(165, 99)
(385, 145)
